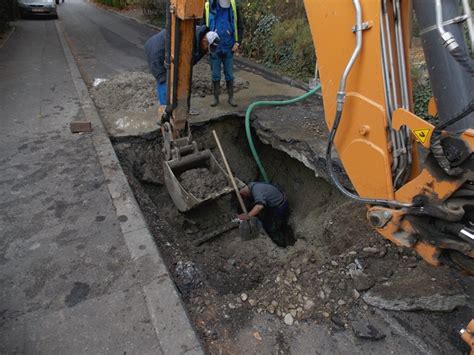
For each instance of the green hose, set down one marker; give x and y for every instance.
(269, 103)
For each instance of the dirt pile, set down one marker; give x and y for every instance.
(135, 91)
(201, 182)
(131, 91)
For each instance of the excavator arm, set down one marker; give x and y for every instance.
(415, 178)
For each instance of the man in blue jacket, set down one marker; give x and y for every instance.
(223, 17)
(155, 50)
(270, 206)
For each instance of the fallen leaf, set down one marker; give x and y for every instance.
(257, 336)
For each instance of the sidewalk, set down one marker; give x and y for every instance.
(76, 276)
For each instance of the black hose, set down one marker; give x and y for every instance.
(435, 142)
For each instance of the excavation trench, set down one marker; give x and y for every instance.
(325, 225)
(226, 284)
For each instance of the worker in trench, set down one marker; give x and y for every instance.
(155, 50)
(270, 206)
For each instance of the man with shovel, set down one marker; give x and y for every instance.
(271, 208)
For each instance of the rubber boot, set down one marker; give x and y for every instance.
(216, 87)
(230, 92)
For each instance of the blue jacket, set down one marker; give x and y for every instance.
(232, 17)
(155, 50)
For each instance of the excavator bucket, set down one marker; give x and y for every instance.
(185, 200)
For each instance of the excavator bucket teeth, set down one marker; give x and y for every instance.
(184, 200)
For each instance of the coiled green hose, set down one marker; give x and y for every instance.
(269, 103)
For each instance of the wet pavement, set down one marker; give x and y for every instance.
(68, 283)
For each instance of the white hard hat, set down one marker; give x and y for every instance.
(211, 37)
(225, 4)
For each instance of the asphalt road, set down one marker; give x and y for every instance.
(103, 44)
(66, 281)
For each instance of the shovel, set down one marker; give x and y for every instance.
(249, 228)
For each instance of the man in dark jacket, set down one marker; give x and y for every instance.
(223, 16)
(270, 206)
(155, 50)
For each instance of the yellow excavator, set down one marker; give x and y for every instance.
(415, 177)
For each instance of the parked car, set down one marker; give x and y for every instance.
(37, 7)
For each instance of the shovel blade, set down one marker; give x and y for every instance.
(250, 229)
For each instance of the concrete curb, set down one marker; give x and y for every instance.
(173, 328)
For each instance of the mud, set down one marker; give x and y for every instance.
(230, 286)
(201, 182)
(202, 82)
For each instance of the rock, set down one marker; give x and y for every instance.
(355, 294)
(274, 303)
(352, 253)
(244, 297)
(418, 291)
(252, 302)
(293, 313)
(271, 309)
(341, 302)
(338, 321)
(231, 305)
(325, 314)
(308, 305)
(259, 310)
(321, 295)
(232, 262)
(334, 263)
(362, 281)
(288, 319)
(371, 250)
(364, 330)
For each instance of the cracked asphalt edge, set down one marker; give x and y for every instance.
(172, 325)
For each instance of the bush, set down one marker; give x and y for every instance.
(119, 4)
(278, 35)
(8, 12)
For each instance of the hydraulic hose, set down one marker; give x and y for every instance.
(248, 132)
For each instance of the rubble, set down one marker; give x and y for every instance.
(289, 319)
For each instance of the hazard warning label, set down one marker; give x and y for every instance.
(421, 134)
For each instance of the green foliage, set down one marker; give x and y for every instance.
(421, 97)
(119, 4)
(277, 34)
(8, 12)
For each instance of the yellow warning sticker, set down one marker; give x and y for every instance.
(421, 134)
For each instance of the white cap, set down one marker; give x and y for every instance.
(225, 4)
(211, 37)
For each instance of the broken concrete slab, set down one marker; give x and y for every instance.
(424, 288)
